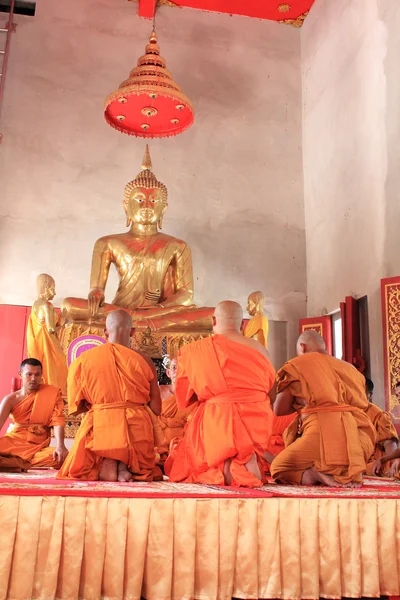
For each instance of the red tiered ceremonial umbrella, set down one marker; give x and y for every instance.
(149, 104)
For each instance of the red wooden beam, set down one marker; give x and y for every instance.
(147, 8)
(276, 10)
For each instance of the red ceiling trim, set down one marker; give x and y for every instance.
(274, 10)
(147, 8)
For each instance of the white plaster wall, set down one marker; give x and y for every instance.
(351, 146)
(234, 179)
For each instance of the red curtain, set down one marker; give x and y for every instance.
(12, 346)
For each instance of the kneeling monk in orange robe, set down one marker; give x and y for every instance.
(386, 434)
(336, 436)
(118, 387)
(172, 419)
(34, 409)
(378, 467)
(229, 431)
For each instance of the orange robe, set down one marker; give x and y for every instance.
(233, 416)
(279, 426)
(385, 430)
(336, 436)
(256, 324)
(114, 381)
(30, 437)
(45, 347)
(172, 421)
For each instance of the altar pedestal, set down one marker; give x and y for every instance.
(153, 343)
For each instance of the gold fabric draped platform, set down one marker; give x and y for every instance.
(168, 541)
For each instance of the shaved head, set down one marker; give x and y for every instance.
(119, 318)
(310, 341)
(228, 316)
(119, 327)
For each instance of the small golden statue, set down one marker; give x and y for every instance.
(154, 269)
(149, 345)
(257, 327)
(41, 333)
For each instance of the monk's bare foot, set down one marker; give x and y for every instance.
(227, 472)
(268, 456)
(252, 466)
(108, 470)
(353, 484)
(313, 477)
(123, 473)
(328, 480)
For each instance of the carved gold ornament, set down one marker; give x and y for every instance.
(154, 343)
(392, 344)
(149, 90)
(149, 111)
(295, 22)
(162, 3)
(314, 327)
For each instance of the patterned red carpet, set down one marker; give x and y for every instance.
(44, 483)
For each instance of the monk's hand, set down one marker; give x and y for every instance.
(96, 299)
(394, 468)
(60, 454)
(377, 467)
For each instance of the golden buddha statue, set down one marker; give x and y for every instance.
(257, 327)
(41, 333)
(154, 269)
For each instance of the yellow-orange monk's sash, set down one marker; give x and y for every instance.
(44, 404)
(110, 429)
(339, 442)
(36, 433)
(331, 408)
(241, 396)
(41, 415)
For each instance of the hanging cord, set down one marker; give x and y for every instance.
(154, 16)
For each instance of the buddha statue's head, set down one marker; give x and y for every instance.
(255, 303)
(46, 286)
(146, 198)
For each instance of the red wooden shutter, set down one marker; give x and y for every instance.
(351, 333)
(390, 295)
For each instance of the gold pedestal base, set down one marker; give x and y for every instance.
(153, 343)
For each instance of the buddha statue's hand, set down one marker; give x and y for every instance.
(96, 299)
